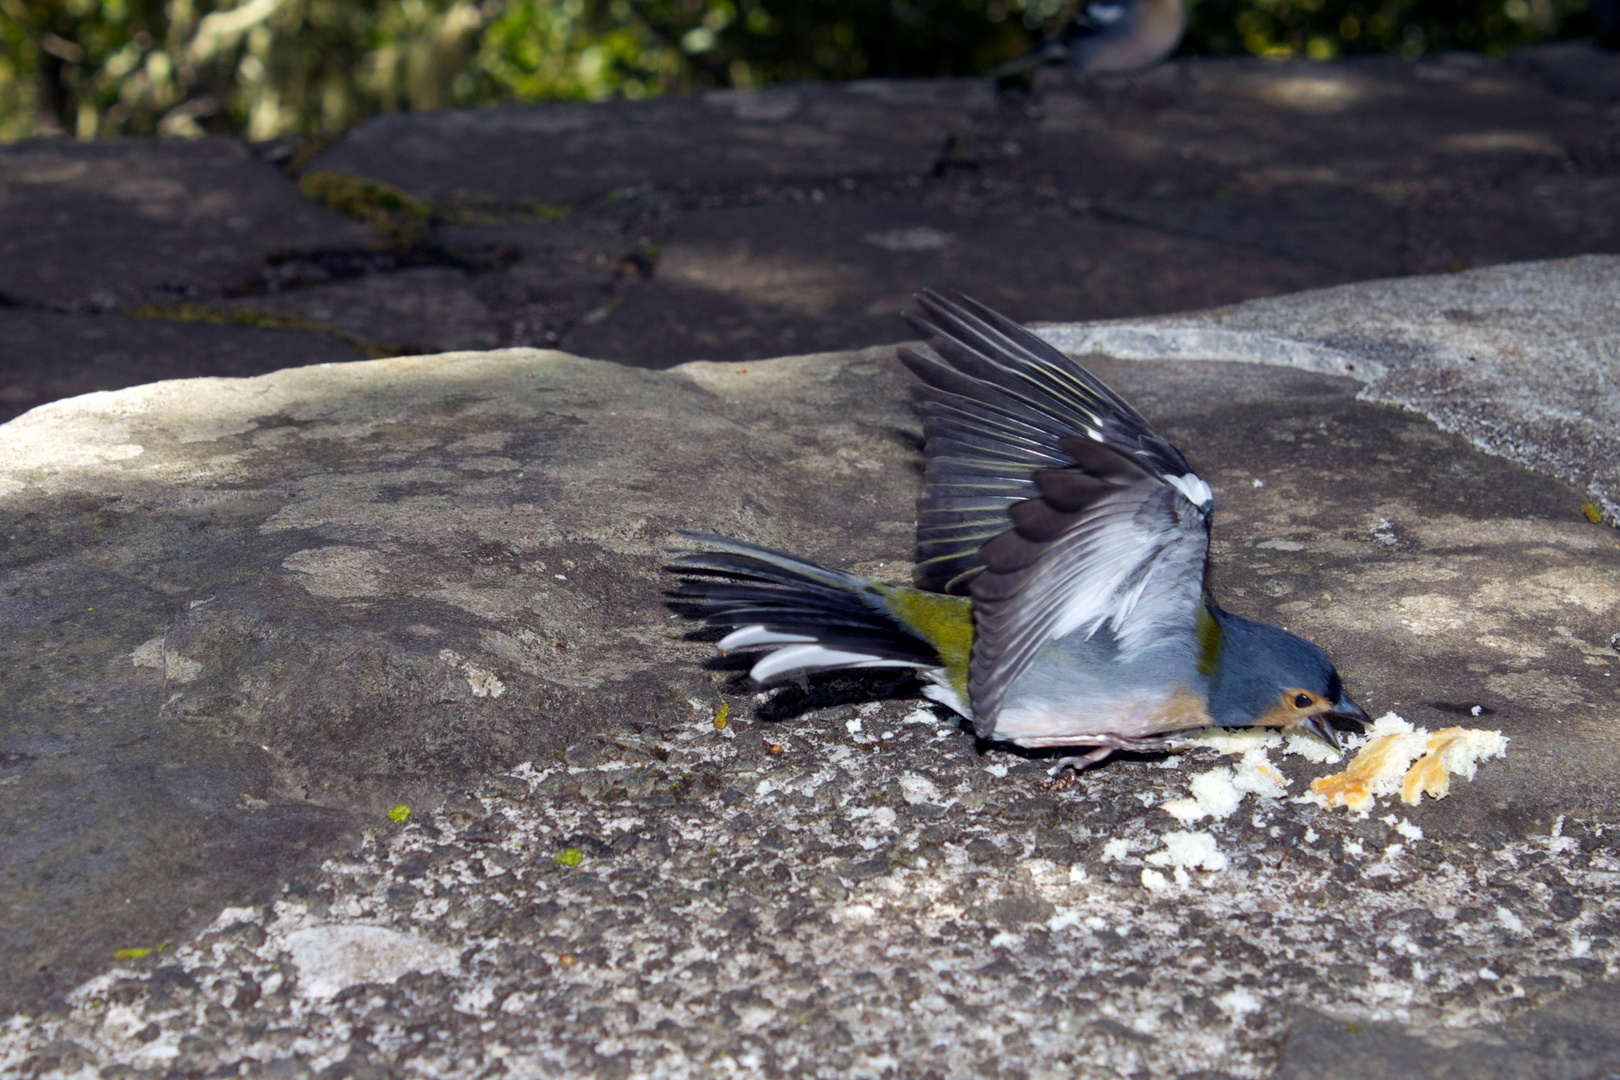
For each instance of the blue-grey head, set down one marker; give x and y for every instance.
(1265, 677)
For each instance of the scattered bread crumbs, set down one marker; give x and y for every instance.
(1397, 757)
(1230, 740)
(1218, 792)
(1309, 747)
(1393, 757)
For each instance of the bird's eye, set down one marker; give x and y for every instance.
(1302, 701)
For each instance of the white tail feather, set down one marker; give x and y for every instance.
(807, 657)
(746, 636)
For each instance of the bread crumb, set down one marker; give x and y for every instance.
(1404, 827)
(1116, 850)
(1188, 851)
(1230, 740)
(1450, 750)
(1309, 747)
(1213, 795)
(1396, 757)
(1218, 792)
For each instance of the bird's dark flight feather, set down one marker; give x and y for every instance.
(1047, 498)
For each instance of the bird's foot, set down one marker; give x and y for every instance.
(1080, 762)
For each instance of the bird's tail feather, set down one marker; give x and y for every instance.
(814, 618)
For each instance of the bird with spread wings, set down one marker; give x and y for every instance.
(1059, 597)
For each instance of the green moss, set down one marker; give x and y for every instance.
(202, 315)
(570, 857)
(138, 952)
(681, 787)
(402, 219)
(945, 622)
(400, 813)
(1592, 512)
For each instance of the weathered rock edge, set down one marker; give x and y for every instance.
(1523, 359)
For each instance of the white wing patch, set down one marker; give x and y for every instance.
(1193, 486)
(1092, 584)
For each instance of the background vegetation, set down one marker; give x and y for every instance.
(269, 68)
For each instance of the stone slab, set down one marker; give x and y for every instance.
(563, 152)
(1201, 182)
(1194, 184)
(101, 225)
(1371, 164)
(346, 587)
(245, 617)
(1573, 68)
(1523, 359)
(49, 355)
(1572, 1038)
(552, 273)
(367, 687)
(426, 309)
(738, 284)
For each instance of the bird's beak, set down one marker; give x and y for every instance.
(1327, 726)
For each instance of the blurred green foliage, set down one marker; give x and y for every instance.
(269, 68)
(1322, 29)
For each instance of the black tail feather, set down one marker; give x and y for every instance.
(744, 585)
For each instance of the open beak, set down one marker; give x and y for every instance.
(1329, 726)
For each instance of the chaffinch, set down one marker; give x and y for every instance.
(1059, 596)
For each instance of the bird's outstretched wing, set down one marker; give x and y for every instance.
(1047, 498)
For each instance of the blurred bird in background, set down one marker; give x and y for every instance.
(1108, 35)
(1060, 595)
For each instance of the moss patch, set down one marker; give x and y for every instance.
(402, 219)
(257, 320)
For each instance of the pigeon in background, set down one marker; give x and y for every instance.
(1109, 35)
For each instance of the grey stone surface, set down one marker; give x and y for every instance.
(101, 226)
(1523, 360)
(1373, 167)
(1572, 1038)
(1195, 184)
(336, 673)
(734, 226)
(814, 275)
(1574, 69)
(85, 353)
(334, 589)
(424, 309)
(560, 153)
